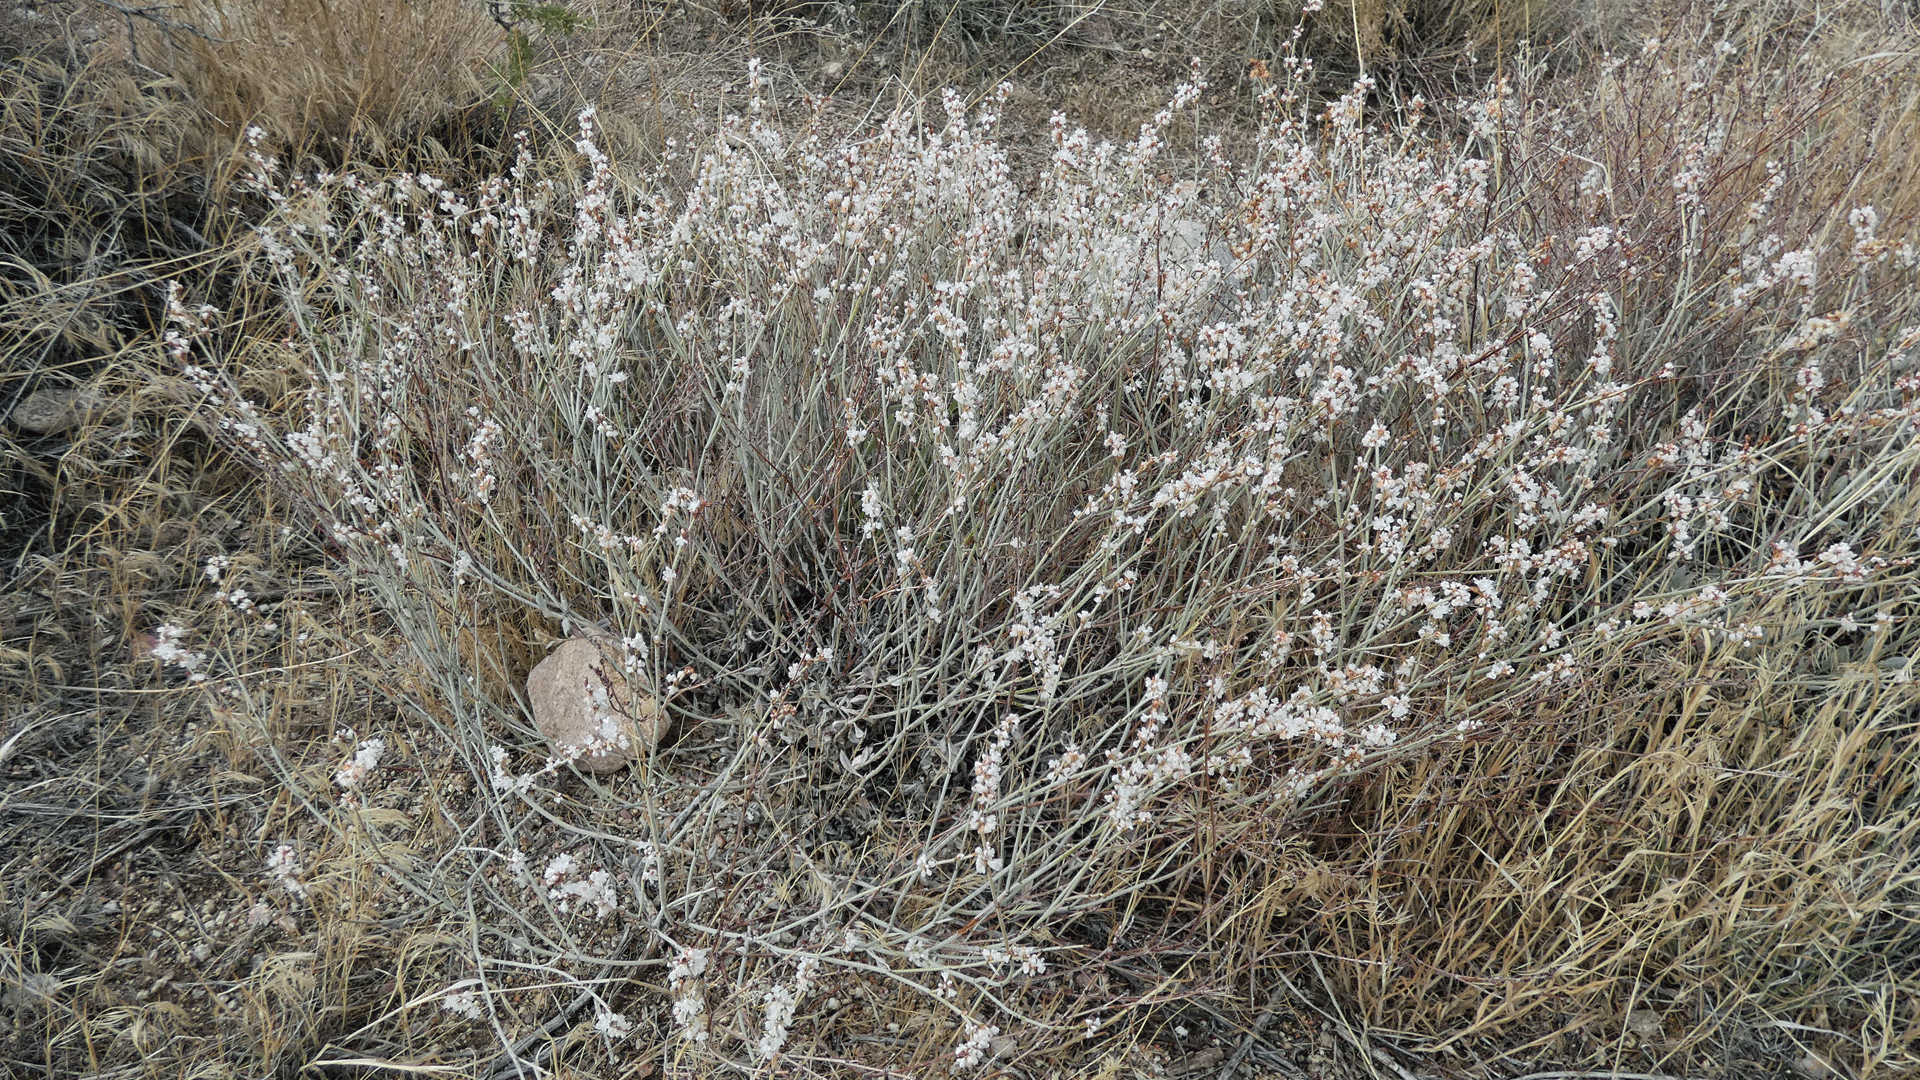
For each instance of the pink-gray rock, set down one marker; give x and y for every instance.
(588, 712)
(49, 411)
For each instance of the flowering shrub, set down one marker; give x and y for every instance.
(1165, 496)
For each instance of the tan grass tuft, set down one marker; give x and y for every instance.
(338, 78)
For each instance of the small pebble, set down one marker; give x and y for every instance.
(1816, 1065)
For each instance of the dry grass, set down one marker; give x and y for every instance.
(1696, 858)
(342, 79)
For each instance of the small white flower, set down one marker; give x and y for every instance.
(462, 1001)
(284, 866)
(612, 1025)
(971, 1053)
(779, 1005)
(364, 761)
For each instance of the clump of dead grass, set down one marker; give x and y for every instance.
(360, 79)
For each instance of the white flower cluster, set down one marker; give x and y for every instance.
(283, 865)
(611, 1025)
(570, 888)
(983, 819)
(974, 1050)
(366, 758)
(684, 981)
(1032, 963)
(462, 1000)
(167, 649)
(482, 477)
(504, 781)
(1149, 765)
(1037, 638)
(778, 1006)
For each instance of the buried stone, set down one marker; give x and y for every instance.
(50, 411)
(588, 712)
